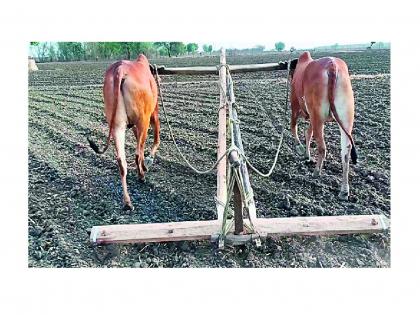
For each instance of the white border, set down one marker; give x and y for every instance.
(53, 291)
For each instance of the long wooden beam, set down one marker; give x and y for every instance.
(154, 232)
(215, 69)
(207, 230)
(221, 140)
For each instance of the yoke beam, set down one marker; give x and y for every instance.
(215, 70)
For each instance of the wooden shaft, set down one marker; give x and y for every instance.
(232, 68)
(237, 208)
(221, 141)
(237, 138)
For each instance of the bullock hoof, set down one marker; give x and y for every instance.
(148, 162)
(301, 150)
(310, 161)
(128, 206)
(343, 195)
(316, 173)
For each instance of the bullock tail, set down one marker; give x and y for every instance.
(118, 78)
(332, 80)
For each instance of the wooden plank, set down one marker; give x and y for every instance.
(154, 232)
(214, 69)
(325, 225)
(221, 140)
(206, 230)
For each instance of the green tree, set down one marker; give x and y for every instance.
(279, 46)
(77, 50)
(163, 46)
(42, 50)
(126, 47)
(192, 47)
(91, 50)
(108, 50)
(52, 53)
(63, 51)
(177, 48)
(162, 51)
(68, 51)
(145, 48)
(171, 48)
(207, 48)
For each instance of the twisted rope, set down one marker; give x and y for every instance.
(206, 171)
(225, 98)
(247, 160)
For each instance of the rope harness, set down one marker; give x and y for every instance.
(247, 160)
(233, 147)
(206, 171)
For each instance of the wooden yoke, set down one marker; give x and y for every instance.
(214, 69)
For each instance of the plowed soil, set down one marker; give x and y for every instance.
(71, 188)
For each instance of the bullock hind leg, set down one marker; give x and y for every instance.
(308, 139)
(318, 130)
(141, 142)
(154, 119)
(136, 133)
(345, 158)
(293, 127)
(119, 138)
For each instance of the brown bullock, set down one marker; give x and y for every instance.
(131, 100)
(321, 91)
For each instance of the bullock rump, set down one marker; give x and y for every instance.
(131, 100)
(321, 91)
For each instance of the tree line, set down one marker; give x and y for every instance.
(76, 51)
